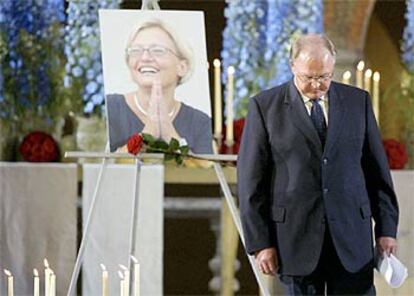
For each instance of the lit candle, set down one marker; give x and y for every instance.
(346, 77)
(360, 68)
(217, 98)
(47, 277)
(105, 281)
(36, 283)
(375, 96)
(136, 276)
(367, 80)
(126, 278)
(121, 284)
(229, 105)
(10, 288)
(52, 291)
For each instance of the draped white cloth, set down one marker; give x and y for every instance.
(37, 221)
(110, 229)
(404, 188)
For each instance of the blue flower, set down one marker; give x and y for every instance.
(83, 49)
(408, 38)
(256, 41)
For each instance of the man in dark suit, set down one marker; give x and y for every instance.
(312, 172)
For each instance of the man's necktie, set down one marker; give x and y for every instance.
(318, 120)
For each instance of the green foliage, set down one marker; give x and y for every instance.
(172, 150)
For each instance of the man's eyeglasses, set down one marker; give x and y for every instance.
(321, 79)
(155, 51)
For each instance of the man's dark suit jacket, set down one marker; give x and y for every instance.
(290, 189)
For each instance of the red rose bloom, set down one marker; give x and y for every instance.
(39, 147)
(135, 144)
(396, 153)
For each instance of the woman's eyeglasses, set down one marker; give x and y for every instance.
(155, 51)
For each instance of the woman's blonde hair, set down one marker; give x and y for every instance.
(184, 50)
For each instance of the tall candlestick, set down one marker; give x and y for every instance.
(367, 80)
(36, 283)
(217, 98)
(47, 277)
(10, 287)
(52, 284)
(360, 69)
(121, 284)
(375, 96)
(105, 281)
(126, 278)
(136, 276)
(346, 77)
(229, 105)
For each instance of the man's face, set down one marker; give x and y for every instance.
(313, 74)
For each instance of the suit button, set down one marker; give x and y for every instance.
(323, 220)
(325, 190)
(325, 161)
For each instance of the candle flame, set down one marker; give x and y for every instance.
(121, 275)
(123, 267)
(135, 260)
(216, 63)
(368, 73)
(35, 272)
(230, 70)
(46, 263)
(361, 65)
(376, 76)
(7, 272)
(347, 75)
(103, 267)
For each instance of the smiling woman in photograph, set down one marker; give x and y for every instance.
(158, 62)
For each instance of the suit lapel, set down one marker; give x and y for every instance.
(337, 111)
(301, 118)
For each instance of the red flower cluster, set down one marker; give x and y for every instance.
(396, 153)
(135, 143)
(39, 147)
(238, 126)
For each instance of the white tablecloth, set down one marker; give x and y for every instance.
(37, 221)
(404, 188)
(109, 240)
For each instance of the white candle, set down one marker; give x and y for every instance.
(229, 105)
(136, 276)
(52, 284)
(217, 98)
(36, 283)
(47, 277)
(10, 285)
(375, 96)
(360, 68)
(105, 281)
(346, 77)
(121, 284)
(126, 278)
(367, 80)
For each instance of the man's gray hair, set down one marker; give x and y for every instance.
(312, 42)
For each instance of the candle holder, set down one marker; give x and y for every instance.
(229, 144)
(219, 139)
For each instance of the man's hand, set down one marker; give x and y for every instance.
(267, 261)
(387, 245)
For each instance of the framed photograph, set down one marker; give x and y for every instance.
(156, 77)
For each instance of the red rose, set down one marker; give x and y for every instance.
(39, 147)
(135, 144)
(396, 153)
